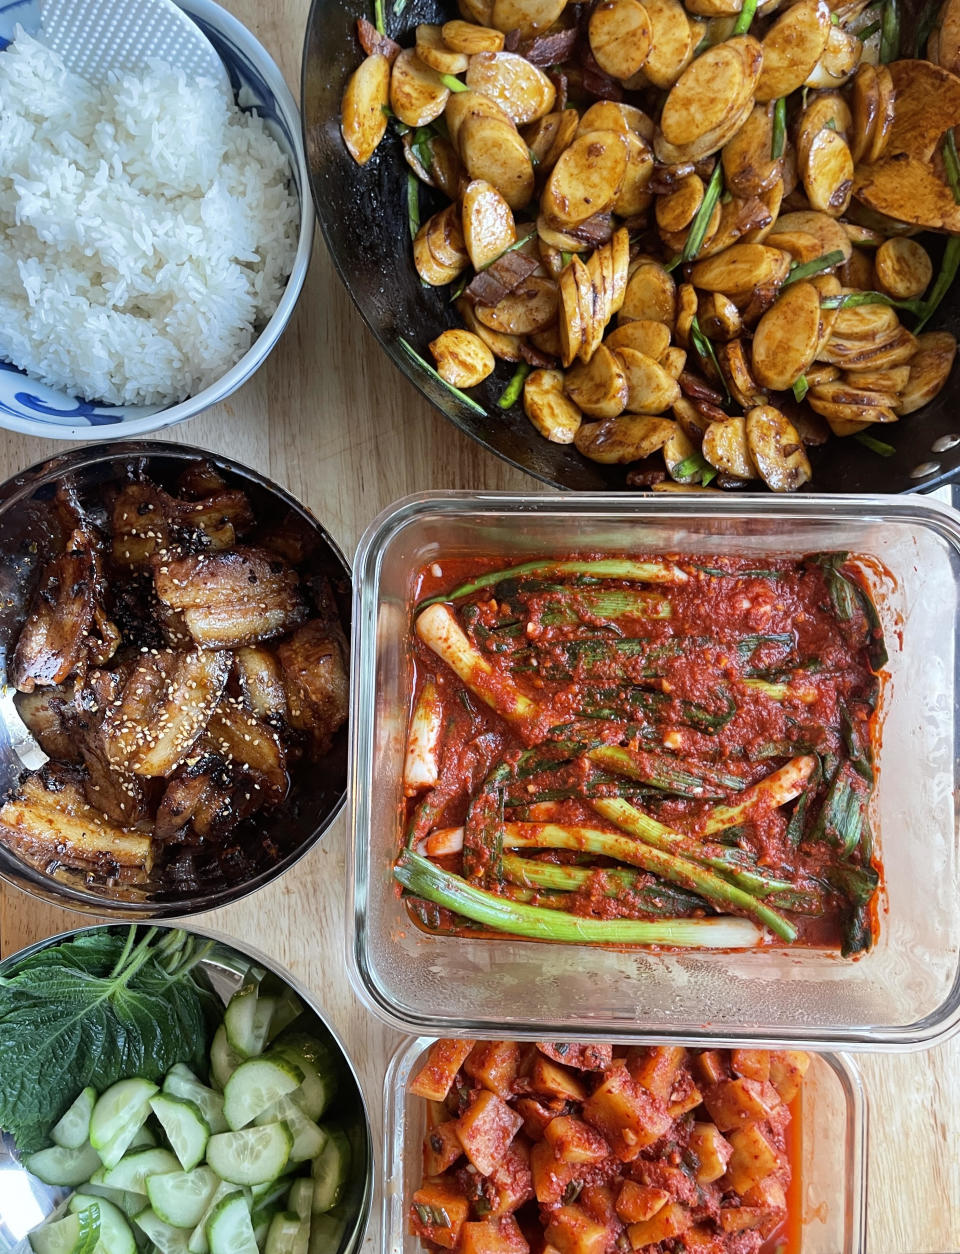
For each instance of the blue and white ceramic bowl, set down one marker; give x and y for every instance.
(33, 408)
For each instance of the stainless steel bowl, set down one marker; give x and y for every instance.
(263, 846)
(25, 1201)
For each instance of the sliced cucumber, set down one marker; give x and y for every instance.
(300, 1202)
(145, 1139)
(181, 1197)
(223, 1059)
(72, 1130)
(282, 1233)
(198, 1243)
(185, 1127)
(261, 1220)
(132, 1171)
(326, 1231)
(229, 1228)
(308, 1137)
(257, 1084)
(130, 1203)
(119, 1114)
(320, 1069)
(287, 1010)
(247, 1021)
(252, 1155)
(115, 1234)
(300, 1199)
(76, 1234)
(273, 1190)
(59, 1165)
(330, 1170)
(181, 1082)
(167, 1238)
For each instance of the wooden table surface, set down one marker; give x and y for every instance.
(333, 421)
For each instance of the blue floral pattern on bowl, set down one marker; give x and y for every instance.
(33, 408)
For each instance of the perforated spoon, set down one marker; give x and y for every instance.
(96, 36)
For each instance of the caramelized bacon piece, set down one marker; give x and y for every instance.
(67, 625)
(258, 674)
(315, 677)
(372, 41)
(200, 479)
(250, 744)
(148, 522)
(48, 818)
(231, 599)
(139, 524)
(162, 710)
(214, 522)
(207, 798)
(120, 796)
(552, 49)
(46, 715)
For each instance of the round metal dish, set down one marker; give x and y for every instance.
(265, 845)
(363, 215)
(25, 1201)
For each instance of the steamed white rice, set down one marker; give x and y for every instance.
(147, 229)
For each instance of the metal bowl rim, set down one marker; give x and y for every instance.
(31, 881)
(359, 1227)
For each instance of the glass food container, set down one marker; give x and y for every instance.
(833, 1115)
(904, 993)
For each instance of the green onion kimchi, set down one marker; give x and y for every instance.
(675, 753)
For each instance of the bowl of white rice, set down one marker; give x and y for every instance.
(154, 233)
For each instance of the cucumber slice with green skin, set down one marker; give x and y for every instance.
(229, 1228)
(181, 1197)
(261, 1220)
(300, 1198)
(130, 1203)
(300, 1201)
(132, 1171)
(247, 1021)
(282, 1234)
(252, 1155)
(72, 1130)
(145, 1139)
(76, 1234)
(59, 1165)
(115, 1234)
(167, 1238)
(255, 1085)
(287, 1010)
(198, 1243)
(320, 1067)
(308, 1137)
(223, 1059)
(330, 1170)
(181, 1082)
(185, 1127)
(274, 1190)
(326, 1232)
(118, 1115)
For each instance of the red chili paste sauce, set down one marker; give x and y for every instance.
(686, 695)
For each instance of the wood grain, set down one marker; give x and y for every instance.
(333, 421)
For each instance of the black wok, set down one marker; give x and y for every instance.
(363, 215)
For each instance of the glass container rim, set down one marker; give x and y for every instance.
(932, 1029)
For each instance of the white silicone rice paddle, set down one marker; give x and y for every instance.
(95, 36)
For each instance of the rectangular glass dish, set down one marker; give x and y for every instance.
(833, 1169)
(903, 994)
